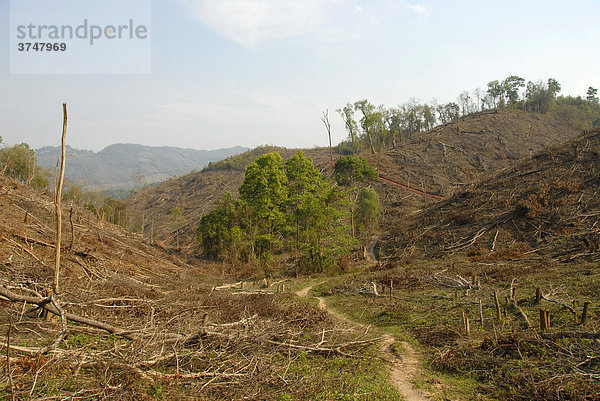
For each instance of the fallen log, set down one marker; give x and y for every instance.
(48, 305)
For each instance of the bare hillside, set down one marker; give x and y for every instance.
(133, 323)
(439, 162)
(548, 204)
(452, 155)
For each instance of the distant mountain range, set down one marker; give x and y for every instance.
(130, 165)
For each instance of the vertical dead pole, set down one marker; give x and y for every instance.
(547, 316)
(513, 290)
(467, 324)
(325, 120)
(8, 367)
(72, 230)
(57, 198)
(538, 296)
(543, 325)
(498, 311)
(584, 315)
(391, 288)
(143, 223)
(152, 231)
(204, 324)
(481, 313)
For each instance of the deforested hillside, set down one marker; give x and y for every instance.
(453, 155)
(197, 193)
(27, 224)
(450, 157)
(547, 204)
(438, 162)
(133, 323)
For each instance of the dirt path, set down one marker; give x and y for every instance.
(403, 368)
(372, 246)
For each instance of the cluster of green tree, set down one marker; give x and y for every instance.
(99, 203)
(373, 127)
(582, 113)
(379, 127)
(241, 161)
(292, 207)
(19, 162)
(542, 97)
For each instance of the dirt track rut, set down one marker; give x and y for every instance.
(402, 368)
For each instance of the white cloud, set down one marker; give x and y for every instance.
(249, 22)
(419, 9)
(358, 9)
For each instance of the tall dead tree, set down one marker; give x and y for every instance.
(57, 199)
(325, 120)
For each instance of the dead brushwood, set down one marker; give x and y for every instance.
(48, 305)
(457, 283)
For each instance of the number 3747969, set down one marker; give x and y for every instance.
(41, 47)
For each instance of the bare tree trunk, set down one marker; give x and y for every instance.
(57, 198)
(325, 120)
(72, 230)
(371, 142)
(143, 222)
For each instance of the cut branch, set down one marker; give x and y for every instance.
(47, 304)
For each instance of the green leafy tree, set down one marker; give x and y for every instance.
(75, 194)
(540, 97)
(19, 162)
(293, 206)
(41, 178)
(368, 210)
(304, 180)
(429, 119)
(578, 112)
(347, 114)
(325, 235)
(511, 86)
(553, 86)
(393, 120)
(496, 92)
(218, 231)
(372, 122)
(349, 171)
(242, 161)
(592, 95)
(265, 192)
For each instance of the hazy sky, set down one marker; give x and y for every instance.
(250, 72)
